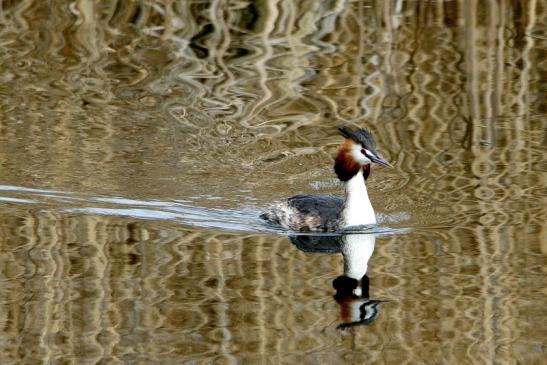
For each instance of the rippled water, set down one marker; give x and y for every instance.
(139, 142)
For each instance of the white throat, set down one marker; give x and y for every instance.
(357, 208)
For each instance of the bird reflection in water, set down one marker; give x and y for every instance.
(352, 287)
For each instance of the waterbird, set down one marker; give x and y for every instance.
(331, 213)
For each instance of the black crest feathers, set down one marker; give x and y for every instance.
(361, 136)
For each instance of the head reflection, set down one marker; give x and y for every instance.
(352, 287)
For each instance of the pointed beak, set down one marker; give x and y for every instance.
(380, 161)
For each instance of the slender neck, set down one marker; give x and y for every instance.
(357, 208)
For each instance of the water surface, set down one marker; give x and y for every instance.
(140, 141)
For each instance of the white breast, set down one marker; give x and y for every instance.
(358, 209)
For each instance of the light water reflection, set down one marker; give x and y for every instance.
(111, 289)
(139, 141)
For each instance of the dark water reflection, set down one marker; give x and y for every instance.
(139, 141)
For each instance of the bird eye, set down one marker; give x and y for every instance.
(364, 152)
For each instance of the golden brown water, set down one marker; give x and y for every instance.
(139, 141)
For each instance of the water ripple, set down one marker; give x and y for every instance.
(245, 219)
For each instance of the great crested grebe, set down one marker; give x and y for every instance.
(331, 213)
